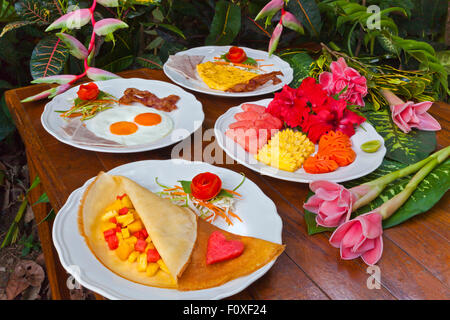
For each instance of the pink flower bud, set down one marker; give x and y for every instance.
(270, 9)
(109, 25)
(76, 48)
(59, 79)
(273, 43)
(50, 93)
(291, 22)
(99, 74)
(72, 20)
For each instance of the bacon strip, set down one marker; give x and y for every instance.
(149, 99)
(256, 82)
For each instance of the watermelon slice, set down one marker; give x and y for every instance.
(220, 249)
(248, 115)
(253, 107)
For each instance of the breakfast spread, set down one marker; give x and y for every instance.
(149, 240)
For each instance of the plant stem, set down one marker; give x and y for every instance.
(376, 186)
(392, 205)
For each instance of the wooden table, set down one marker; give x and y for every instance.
(415, 262)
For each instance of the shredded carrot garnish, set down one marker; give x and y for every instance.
(236, 64)
(266, 65)
(233, 192)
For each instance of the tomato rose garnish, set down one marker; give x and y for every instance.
(88, 91)
(206, 186)
(236, 55)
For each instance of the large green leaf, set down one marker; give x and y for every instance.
(307, 12)
(35, 11)
(48, 57)
(427, 194)
(408, 147)
(300, 63)
(225, 25)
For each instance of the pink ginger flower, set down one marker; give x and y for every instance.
(342, 76)
(360, 237)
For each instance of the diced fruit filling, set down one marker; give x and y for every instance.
(125, 234)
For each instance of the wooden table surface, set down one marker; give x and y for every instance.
(415, 262)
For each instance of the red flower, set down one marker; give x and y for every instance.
(334, 117)
(313, 110)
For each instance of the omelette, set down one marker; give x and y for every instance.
(175, 233)
(223, 77)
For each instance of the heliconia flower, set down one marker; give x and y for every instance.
(270, 9)
(291, 22)
(273, 43)
(50, 93)
(360, 237)
(97, 74)
(109, 25)
(76, 48)
(408, 115)
(72, 20)
(59, 79)
(109, 3)
(331, 202)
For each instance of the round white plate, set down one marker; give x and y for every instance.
(258, 212)
(364, 164)
(215, 51)
(186, 119)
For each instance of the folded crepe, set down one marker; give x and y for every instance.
(180, 238)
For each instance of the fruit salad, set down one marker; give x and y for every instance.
(126, 235)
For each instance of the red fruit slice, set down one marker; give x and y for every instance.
(253, 107)
(248, 115)
(242, 124)
(220, 249)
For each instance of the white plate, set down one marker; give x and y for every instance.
(186, 119)
(258, 212)
(364, 163)
(215, 51)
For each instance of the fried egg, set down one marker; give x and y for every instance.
(131, 125)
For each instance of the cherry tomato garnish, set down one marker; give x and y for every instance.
(206, 186)
(88, 91)
(236, 55)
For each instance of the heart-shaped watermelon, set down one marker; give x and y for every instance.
(220, 249)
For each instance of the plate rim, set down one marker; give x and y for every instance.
(290, 77)
(220, 137)
(75, 197)
(130, 149)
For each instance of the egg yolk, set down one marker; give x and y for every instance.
(123, 128)
(147, 119)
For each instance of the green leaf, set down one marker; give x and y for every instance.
(150, 61)
(301, 64)
(42, 199)
(307, 12)
(119, 64)
(186, 185)
(48, 57)
(173, 29)
(225, 25)
(34, 11)
(406, 148)
(13, 26)
(224, 193)
(310, 219)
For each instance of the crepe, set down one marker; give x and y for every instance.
(180, 238)
(220, 77)
(172, 229)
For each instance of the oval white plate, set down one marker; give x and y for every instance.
(364, 164)
(186, 119)
(258, 212)
(215, 51)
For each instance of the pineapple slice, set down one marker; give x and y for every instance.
(286, 150)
